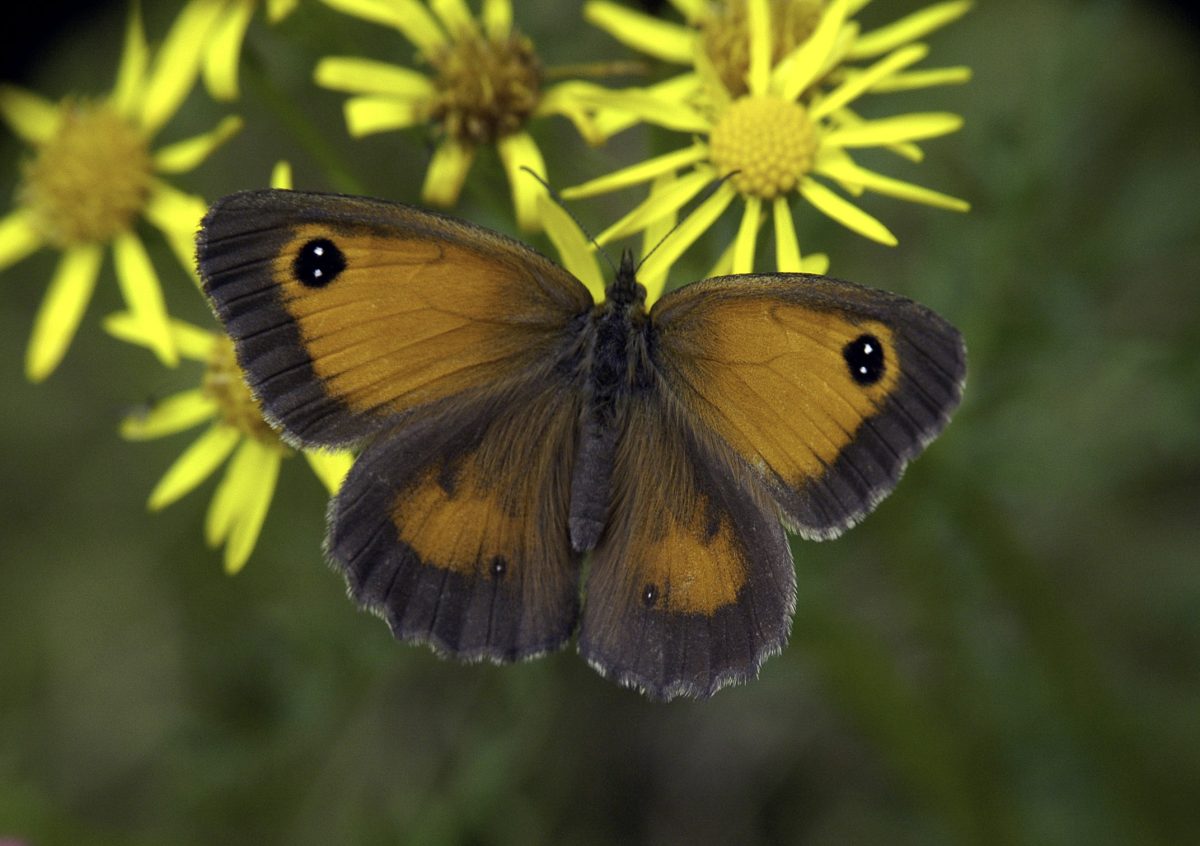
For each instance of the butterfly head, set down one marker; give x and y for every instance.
(625, 290)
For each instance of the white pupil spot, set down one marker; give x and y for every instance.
(317, 272)
(321, 251)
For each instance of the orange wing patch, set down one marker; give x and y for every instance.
(775, 384)
(411, 321)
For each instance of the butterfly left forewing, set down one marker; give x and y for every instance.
(691, 587)
(348, 313)
(824, 388)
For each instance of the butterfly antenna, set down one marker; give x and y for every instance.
(679, 223)
(558, 201)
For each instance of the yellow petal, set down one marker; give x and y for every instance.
(909, 28)
(368, 76)
(609, 122)
(18, 237)
(225, 51)
(846, 171)
(255, 500)
(173, 414)
(177, 215)
(638, 173)
(233, 490)
(62, 308)
(143, 294)
(692, 228)
(367, 115)
(893, 130)
(192, 342)
(447, 169)
(692, 10)
(189, 153)
(856, 85)
(723, 266)
(925, 78)
(653, 235)
(845, 212)
(759, 73)
(649, 107)
(497, 18)
(281, 175)
(815, 263)
(652, 36)
(330, 467)
(520, 152)
(664, 201)
(845, 117)
(177, 63)
(787, 247)
(800, 68)
(131, 75)
(574, 250)
(455, 17)
(277, 10)
(30, 116)
(747, 236)
(194, 465)
(409, 17)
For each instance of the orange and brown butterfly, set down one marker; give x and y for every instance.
(511, 428)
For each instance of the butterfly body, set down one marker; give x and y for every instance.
(512, 428)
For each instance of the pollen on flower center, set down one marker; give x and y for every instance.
(90, 179)
(767, 143)
(487, 88)
(237, 406)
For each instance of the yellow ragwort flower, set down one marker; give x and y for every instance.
(93, 176)
(236, 427)
(484, 88)
(787, 123)
(223, 49)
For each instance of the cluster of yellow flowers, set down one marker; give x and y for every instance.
(764, 100)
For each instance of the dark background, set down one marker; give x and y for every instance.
(1007, 652)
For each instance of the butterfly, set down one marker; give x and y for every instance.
(537, 466)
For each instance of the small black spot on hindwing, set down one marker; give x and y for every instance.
(498, 567)
(649, 595)
(318, 263)
(864, 357)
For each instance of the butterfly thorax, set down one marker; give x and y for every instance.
(616, 365)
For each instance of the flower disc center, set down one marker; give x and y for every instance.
(767, 143)
(237, 406)
(90, 179)
(487, 88)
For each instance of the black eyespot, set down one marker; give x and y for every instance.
(649, 595)
(864, 357)
(498, 567)
(318, 263)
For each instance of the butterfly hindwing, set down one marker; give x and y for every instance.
(454, 527)
(347, 312)
(692, 586)
(826, 388)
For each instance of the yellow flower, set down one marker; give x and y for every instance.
(93, 176)
(769, 138)
(223, 48)
(236, 427)
(485, 88)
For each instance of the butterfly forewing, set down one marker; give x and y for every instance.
(348, 312)
(827, 389)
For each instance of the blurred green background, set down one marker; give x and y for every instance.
(1006, 652)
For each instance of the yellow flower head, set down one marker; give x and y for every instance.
(93, 175)
(485, 88)
(768, 101)
(236, 428)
